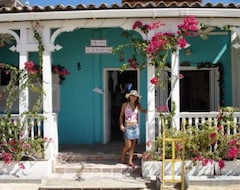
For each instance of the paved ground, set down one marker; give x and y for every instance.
(215, 187)
(12, 186)
(72, 181)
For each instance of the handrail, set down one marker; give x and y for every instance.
(198, 118)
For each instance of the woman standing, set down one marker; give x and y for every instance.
(129, 124)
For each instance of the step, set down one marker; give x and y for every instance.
(75, 157)
(100, 166)
(68, 157)
(98, 181)
(94, 162)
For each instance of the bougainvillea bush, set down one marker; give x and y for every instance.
(16, 142)
(210, 141)
(156, 48)
(18, 137)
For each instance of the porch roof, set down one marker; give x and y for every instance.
(124, 5)
(125, 10)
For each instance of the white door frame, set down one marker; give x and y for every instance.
(106, 114)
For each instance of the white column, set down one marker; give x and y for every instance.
(50, 130)
(24, 95)
(175, 86)
(235, 58)
(150, 120)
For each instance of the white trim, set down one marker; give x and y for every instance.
(105, 99)
(175, 85)
(150, 119)
(122, 13)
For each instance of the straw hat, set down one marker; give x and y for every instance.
(134, 93)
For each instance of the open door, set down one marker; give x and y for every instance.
(117, 84)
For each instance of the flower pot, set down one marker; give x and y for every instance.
(33, 169)
(153, 168)
(230, 168)
(198, 169)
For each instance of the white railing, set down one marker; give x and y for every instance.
(34, 128)
(196, 119)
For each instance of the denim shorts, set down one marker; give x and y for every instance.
(131, 132)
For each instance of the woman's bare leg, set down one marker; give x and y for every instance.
(131, 151)
(127, 146)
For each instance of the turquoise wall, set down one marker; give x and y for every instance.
(7, 56)
(81, 115)
(216, 49)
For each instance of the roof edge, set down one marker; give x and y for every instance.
(122, 13)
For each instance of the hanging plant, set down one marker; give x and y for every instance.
(60, 71)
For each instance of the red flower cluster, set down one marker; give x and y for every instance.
(60, 71)
(30, 67)
(154, 80)
(7, 157)
(161, 42)
(133, 63)
(163, 108)
(189, 26)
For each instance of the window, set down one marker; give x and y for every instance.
(199, 90)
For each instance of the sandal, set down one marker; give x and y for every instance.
(131, 165)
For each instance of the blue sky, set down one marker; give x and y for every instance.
(98, 2)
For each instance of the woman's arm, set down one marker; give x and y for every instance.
(141, 109)
(121, 117)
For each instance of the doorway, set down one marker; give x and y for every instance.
(117, 84)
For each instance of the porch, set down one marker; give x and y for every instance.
(37, 129)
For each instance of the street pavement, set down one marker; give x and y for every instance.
(27, 186)
(72, 181)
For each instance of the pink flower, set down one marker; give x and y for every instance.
(148, 143)
(189, 27)
(155, 25)
(221, 164)
(154, 80)
(182, 42)
(232, 142)
(27, 146)
(133, 63)
(232, 152)
(213, 136)
(204, 162)
(30, 67)
(60, 71)
(181, 76)
(179, 147)
(21, 166)
(7, 72)
(63, 72)
(158, 42)
(137, 24)
(220, 127)
(55, 69)
(7, 157)
(163, 108)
